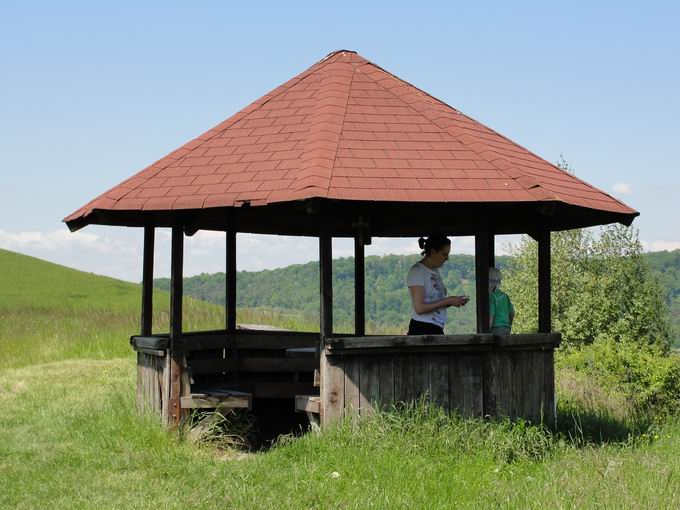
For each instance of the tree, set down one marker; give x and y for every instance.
(602, 288)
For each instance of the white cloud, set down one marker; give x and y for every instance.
(113, 255)
(117, 252)
(622, 188)
(660, 245)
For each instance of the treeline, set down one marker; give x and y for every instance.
(666, 265)
(295, 289)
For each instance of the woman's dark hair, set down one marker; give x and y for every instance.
(433, 243)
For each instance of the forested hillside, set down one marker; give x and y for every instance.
(296, 288)
(667, 266)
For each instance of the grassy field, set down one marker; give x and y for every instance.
(70, 436)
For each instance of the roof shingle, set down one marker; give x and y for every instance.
(349, 130)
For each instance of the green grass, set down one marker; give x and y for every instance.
(70, 436)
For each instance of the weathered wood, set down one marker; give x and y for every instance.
(482, 275)
(352, 385)
(386, 380)
(548, 387)
(250, 340)
(177, 360)
(150, 383)
(333, 391)
(472, 376)
(325, 275)
(421, 377)
(230, 288)
(544, 297)
(147, 281)
(406, 342)
(235, 400)
(403, 379)
(268, 389)
(547, 340)
(489, 384)
(439, 379)
(359, 286)
(151, 352)
(369, 385)
(206, 366)
(513, 378)
(301, 352)
(456, 388)
(307, 403)
(492, 250)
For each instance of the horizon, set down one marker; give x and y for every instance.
(160, 274)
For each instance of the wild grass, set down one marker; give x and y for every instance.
(70, 436)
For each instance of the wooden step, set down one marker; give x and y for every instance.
(222, 398)
(307, 403)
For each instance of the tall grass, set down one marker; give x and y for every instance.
(70, 438)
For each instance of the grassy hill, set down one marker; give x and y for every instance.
(70, 436)
(49, 312)
(28, 282)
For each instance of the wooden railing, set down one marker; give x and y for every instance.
(474, 375)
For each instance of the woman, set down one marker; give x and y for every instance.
(428, 293)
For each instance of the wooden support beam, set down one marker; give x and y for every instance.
(359, 286)
(492, 250)
(326, 275)
(147, 281)
(176, 347)
(544, 297)
(230, 298)
(482, 275)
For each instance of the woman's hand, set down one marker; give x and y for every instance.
(457, 301)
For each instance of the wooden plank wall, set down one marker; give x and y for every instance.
(512, 383)
(151, 382)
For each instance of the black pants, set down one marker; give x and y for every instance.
(424, 328)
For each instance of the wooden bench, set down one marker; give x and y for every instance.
(229, 369)
(213, 398)
(252, 361)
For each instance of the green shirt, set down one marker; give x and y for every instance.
(500, 309)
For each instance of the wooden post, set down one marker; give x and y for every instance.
(147, 281)
(359, 286)
(176, 348)
(230, 300)
(326, 291)
(544, 298)
(482, 275)
(492, 250)
(326, 277)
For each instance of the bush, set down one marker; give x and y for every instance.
(602, 288)
(641, 376)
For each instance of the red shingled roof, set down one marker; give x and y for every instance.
(347, 129)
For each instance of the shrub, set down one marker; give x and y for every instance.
(642, 376)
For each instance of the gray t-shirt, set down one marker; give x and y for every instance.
(431, 281)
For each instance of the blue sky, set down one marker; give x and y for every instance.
(91, 92)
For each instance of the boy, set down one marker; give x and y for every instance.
(501, 311)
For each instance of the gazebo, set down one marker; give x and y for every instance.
(346, 149)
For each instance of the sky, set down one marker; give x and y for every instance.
(92, 92)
